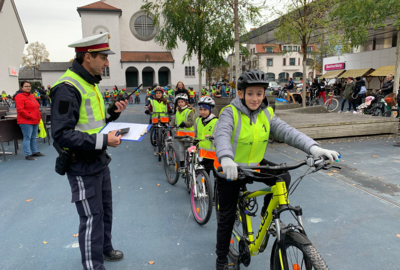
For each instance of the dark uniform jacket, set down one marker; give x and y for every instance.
(65, 106)
(387, 87)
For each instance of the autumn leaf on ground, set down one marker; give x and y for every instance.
(29, 200)
(398, 235)
(330, 174)
(76, 235)
(335, 171)
(151, 262)
(158, 185)
(44, 242)
(374, 156)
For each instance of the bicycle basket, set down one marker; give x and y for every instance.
(391, 100)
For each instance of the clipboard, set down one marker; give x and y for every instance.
(136, 131)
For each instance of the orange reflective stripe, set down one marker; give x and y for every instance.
(207, 154)
(184, 133)
(154, 120)
(164, 119)
(107, 96)
(216, 163)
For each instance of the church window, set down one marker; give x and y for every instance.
(106, 73)
(144, 25)
(141, 25)
(190, 71)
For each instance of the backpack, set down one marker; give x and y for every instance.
(363, 90)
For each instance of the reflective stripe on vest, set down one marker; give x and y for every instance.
(159, 110)
(207, 148)
(249, 140)
(92, 111)
(182, 117)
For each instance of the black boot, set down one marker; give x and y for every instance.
(113, 256)
(221, 264)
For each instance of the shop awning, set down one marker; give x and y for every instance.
(383, 71)
(357, 73)
(332, 74)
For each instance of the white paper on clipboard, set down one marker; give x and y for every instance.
(135, 130)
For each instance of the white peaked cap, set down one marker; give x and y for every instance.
(96, 44)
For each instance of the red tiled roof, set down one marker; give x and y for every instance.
(260, 48)
(146, 57)
(99, 5)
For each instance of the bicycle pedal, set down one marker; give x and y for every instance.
(231, 266)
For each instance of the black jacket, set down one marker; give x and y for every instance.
(65, 105)
(358, 86)
(387, 87)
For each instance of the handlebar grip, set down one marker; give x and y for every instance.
(219, 169)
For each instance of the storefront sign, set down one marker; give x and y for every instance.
(13, 71)
(336, 66)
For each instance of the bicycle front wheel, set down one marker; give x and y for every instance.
(201, 197)
(237, 235)
(171, 165)
(389, 113)
(332, 105)
(153, 136)
(299, 256)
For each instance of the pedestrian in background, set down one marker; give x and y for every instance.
(387, 87)
(356, 97)
(223, 90)
(322, 90)
(348, 90)
(28, 118)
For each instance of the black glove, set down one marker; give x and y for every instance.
(182, 125)
(147, 112)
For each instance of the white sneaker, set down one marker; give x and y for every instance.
(339, 111)
(347, 111)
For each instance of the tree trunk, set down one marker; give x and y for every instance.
(304, 73)
(200, 73)
(397, 69)
(237, 44)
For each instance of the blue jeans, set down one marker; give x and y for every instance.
(29, 142)
(344, 102)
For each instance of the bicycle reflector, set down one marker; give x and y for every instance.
(296, 267)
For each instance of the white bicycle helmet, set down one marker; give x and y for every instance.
(181, 96)
(207, 101)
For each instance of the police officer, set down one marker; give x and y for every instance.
(78, 114)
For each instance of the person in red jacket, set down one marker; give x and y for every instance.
(28, 118)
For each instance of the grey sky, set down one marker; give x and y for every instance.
(56, 23)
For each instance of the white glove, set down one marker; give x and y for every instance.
(317, 151)
(230, 168)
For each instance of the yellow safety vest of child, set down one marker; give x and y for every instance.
(92, 111)
(107, 94)
(171, 92)
(206, 147)
(182, 117)
(159, 109)
(249, 141)
(115, 93)
(4, 96)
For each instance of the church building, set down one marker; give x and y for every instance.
(138, 59)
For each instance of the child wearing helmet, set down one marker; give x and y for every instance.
(159, 107)
(184, 121)
(204, 127)
(241, 138)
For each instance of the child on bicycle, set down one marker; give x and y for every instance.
(241, 138)
(184, 121)
(205, 126)
(160, 108)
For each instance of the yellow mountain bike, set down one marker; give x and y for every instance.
(292, 249)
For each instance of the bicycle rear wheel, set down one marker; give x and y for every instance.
(171, 165)
(332, 105)
(389, 113)
(201, 202)
(299, 255)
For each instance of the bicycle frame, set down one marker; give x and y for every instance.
(278, 204)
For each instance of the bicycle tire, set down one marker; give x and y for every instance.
(202, 216)
(216, 200)
(331, 105)
(160, 143)
(311, 259)
(171, 165)
(239, 230)
(389, 113)
(152, 135)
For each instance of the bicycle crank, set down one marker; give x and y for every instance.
(244, 253)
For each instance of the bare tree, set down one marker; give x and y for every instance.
(35, 54)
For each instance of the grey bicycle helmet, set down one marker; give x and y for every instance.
(252, 78)
(207, 100)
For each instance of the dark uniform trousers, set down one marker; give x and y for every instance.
(93, 199)
(228, 195)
